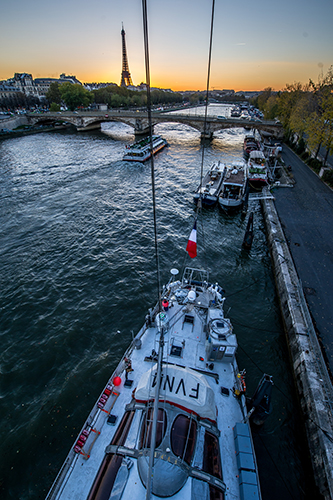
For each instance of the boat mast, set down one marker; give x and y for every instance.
(159, 317)
(155, 412)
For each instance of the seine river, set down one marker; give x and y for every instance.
(77, 265)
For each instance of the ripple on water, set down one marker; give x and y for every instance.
(77, 265)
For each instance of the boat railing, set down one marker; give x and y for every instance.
(265, 194)
(92, 421)
(242, 401)
(58, 483)
(193, 276)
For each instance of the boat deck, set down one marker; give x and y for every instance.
(211, 182)
(235, 176)
(185, 347)
(210, 186)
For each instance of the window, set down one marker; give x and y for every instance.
(212, 459)
(212, 463)
(183, 435)
(147, 425)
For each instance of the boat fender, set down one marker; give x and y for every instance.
(241, 377)
(165, 304)
(241, 389)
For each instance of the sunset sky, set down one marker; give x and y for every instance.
(255, 45)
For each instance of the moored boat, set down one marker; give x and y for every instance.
(250, 144)
(272, 152)
(209, 189)
(233, 188)
(172, 420)
(141, 150)
(257, 170)
(245, 114)
(235, 112)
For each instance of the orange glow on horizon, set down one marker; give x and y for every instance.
(267, 74)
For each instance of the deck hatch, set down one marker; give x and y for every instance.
(176, 350)
(188, 319)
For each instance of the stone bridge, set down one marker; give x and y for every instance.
(88, 120)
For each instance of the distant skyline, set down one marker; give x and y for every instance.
(256, 44)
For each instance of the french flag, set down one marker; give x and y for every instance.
(191, 248)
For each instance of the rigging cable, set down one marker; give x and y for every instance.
(208, 79)
(277, 469)
(149, 486)
(199, 206)
(146, 49)
(244, 288)
(325, 432)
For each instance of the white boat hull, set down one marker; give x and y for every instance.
(199, 387)
(229, 204)
(141, 154)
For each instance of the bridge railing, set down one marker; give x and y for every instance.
(216, 122)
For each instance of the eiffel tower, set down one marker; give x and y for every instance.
(125, 74)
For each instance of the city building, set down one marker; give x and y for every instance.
(96, 86)
(7, 91)
(24, 82)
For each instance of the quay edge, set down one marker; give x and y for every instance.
(312, 380)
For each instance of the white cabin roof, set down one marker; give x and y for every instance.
(180, 386)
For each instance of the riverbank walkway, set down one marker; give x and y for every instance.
(306, 216)
(300, 238)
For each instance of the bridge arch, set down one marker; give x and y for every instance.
(138, 120)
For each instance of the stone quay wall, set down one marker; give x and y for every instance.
(311, 377)
(13, 122)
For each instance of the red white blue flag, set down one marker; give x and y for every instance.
(191, 248)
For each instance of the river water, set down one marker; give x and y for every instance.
(78, 265)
